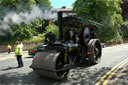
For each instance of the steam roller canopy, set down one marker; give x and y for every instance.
(50, 64)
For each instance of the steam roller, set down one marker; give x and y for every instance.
(51, 64)
(77, 42)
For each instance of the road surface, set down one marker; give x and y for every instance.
(82, 75)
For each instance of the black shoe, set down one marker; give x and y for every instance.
(21, 66)
(18, 66)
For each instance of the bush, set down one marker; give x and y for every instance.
(54, 29)
(22, 32)
(40, 37)
(19, 32)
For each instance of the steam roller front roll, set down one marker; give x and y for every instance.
(51, 64)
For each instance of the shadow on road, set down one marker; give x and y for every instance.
(9, 68)
(120, 77)
(29, 57)
(31, 78)
(82, 75)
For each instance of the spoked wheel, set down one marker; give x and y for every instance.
(94, 47)
(62, 66)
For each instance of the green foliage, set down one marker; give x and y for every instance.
(29, 3)
(124, 7)
(43, 2)
(54, 29)
(22, 32)
(10, 3)
(124, 29)
(40, 37)
(6, 37)
(34, 25)
(107, 12)
(125, 38)
(23, 4)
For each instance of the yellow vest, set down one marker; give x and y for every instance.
(18, 50)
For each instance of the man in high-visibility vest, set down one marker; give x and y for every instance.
(18, 54)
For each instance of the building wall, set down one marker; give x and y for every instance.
(27, 46)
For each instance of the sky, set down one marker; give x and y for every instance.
(60, 3)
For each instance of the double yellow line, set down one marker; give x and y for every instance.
(105, 79)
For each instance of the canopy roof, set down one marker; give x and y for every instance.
(73, 21)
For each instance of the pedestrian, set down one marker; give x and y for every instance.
(9, 48)
(18, 54)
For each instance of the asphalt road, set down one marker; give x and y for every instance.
(82, 75)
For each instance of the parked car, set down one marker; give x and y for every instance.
(34, 50)
(103, 45)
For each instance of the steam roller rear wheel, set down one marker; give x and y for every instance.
(61, 65)
(94, 46)
(51, 64)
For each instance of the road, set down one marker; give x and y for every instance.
(81, 75)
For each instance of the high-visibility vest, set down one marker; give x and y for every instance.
(18, 50)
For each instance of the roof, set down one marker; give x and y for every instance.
(73, 21)
(62, 10)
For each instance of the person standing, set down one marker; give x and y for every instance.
(18, 54)
(9, 48)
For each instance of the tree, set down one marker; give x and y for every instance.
(43, 2)
(54, 29)
(20, 31)
(23, 32)
(28, 3)
(124, 7)
(107, 12)
(18, 4)
(124, 26)
(124, 29)
(10, 3)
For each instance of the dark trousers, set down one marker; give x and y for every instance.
(19, 60)
(9, 50)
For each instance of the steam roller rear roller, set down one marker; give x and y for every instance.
(51, 64)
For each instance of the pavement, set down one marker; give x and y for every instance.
(112, 44)
(120, 77)
(5, 55)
